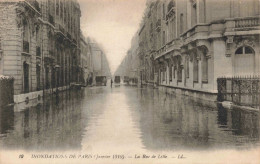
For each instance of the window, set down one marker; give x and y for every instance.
(194, 13)
(163, 73)
(57, 7)
(170, 72)
(204, 68)
(187, 67)
(181, 23)
(61, 10)
(195, 69)
(163, 11)
(38, 42)
(26, 37)
(25, 77)
(204, 10)
(240, 50)
(163, 38)
(244, 61)
(170, 6)
(38, 77)
(174, 71)
(244, 50)
(179, 70)
(248, 50)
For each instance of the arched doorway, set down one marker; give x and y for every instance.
(26, 77)
(244, 63)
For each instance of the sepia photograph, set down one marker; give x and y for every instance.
(129, 81)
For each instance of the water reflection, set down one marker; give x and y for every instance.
(129, 119)
(174, 122)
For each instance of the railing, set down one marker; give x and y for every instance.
(69, 36)
(170, 13)
(247, 22)
(158, 25)
(35, 4)
(7, 90)
(26, 46)
(161, 50)
(171, 5)
(38, 51)
(240, 90)
(61, 28)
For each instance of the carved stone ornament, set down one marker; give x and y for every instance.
(228, 52)
(245, 41)
(204, 50)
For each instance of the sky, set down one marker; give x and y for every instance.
(112, 23)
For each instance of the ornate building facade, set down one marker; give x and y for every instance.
(40, 42)
(185, 45)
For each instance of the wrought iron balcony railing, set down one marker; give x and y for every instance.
(34, 4)
(158, 25)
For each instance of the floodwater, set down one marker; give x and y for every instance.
(128, 119)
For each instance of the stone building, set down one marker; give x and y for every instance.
(40, 43)
(99, 62)
(194, 42)
(86, 60)
(130, 66)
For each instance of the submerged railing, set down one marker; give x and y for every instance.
(242, 91)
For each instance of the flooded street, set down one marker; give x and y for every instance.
(128, 119)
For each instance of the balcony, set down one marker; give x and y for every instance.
(203, 30)
(38, 51)
(239, 25)
(158, 25)
(69, 36)
(194, 3)
(26, 47)
(170, 14)
(61, 28)
(35, 4)
(247, 22)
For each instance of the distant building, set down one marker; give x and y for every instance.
(130, 66)
(40, 45)
(99, 61)
(86, 60)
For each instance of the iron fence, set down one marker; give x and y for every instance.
(6, 90)
(242, 91)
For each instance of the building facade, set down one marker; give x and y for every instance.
(85, 61)
(130, 67)
(40, 45)
(185, 45)
(99, 62)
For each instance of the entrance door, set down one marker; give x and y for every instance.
(244, 62)
(26, 77)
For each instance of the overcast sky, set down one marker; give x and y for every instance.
(112, 23)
